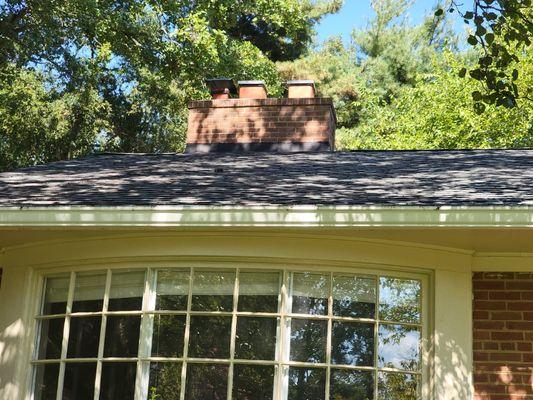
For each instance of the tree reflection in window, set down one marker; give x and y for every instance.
(188, 335)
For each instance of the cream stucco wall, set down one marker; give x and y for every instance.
(448, 273)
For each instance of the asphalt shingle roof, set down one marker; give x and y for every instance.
(378, 178)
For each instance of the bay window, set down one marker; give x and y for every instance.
(229, 333)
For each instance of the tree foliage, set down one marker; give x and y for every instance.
(120, 72)
(503, 29)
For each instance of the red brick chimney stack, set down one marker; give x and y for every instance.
(253, 122)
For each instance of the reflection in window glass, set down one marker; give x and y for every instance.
(310, 293)
(307, 383)
(394, 386)
(352, 343)
(172, 289)
(84, 337)
(79, 381)
(278, 316)
(253, 382)
(259, 291)
(354, 296)
(118, 381)
(308, 340)
(122, 336)
(89, 292)
(127, 290)
(167, 336)
(399, 300)
(56, 295)
(206, 382)
(165, 380)
(256, 338)
(213, 291)
(46, 381)
(209, 337)
(351, 385)
(51, 338)
(398, 347)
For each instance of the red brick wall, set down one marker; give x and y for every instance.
(261, 121)
(503, 335)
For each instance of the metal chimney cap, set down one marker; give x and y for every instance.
(301, 82)
(251, 83)
(218, 84)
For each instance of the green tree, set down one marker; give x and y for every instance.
(503, 30)
(124, 70)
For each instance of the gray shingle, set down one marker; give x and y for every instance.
(379, 178)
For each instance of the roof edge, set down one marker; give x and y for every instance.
(267, 216)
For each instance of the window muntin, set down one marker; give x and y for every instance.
(295, 334)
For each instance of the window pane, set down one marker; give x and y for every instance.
(118, 381)
(165, 381)
(168, 333)
(354, 296)
(256, 338)
(307, 383)
(213, 291)
(351, 385)
(259, 291)
(253, 382)
(79, 381)
(51, 338)
(127, 290)
(172, 289)
(310, 293)
(308, 340)
(209, 337)
(398, 347)
(56, 295)
(46, 381)
(84, 337)
(206, 382)
(399, 300)
(122, 336)
(394, 386)
(89, 292)
(352, 343)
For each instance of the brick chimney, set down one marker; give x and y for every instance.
(254, 122)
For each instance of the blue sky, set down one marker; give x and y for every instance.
(356, 13)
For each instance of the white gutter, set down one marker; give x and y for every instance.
(266, 216)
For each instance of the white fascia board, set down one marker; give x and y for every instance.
(266, 216)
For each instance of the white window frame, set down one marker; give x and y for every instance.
(282, 361)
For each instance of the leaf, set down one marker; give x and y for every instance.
(472, 40)
(462, 72)
(439, 12)
(489, 38)
(476, 95)
(469, 15)
(515, 74)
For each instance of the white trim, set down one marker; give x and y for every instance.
(261, 216)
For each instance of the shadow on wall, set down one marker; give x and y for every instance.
(452, 378)
(10, 349)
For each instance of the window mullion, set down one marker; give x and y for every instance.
(101, 341)
(186, 335)
(145, 337)
(286, 335)
(329, 333)
(66, 333)
(233, 334)
(376, 330)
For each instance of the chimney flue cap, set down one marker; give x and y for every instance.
(252, 90)
(301, 88)
(219, 86)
